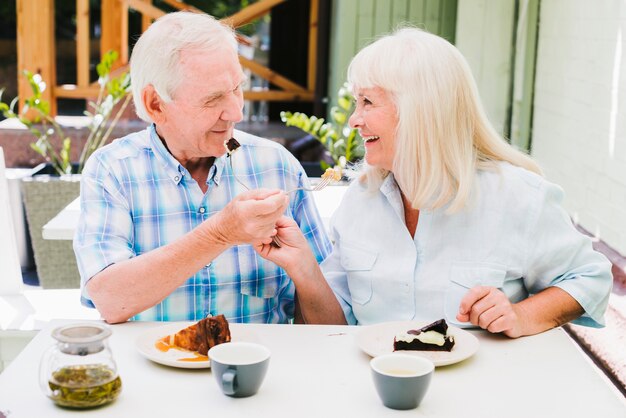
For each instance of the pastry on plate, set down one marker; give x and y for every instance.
(432, 337)
(200, 336)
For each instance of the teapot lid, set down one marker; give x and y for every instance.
(86, 338)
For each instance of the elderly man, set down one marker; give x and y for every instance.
(169, 220)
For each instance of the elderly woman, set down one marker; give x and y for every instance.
(446, 220)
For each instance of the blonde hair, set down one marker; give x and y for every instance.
(443, 135)
(155, 57)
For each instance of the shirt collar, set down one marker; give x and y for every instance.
(389, 188)
(175, 171)
(218, 168)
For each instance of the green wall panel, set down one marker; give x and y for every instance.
(356, 23)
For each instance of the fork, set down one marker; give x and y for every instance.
(319, 186)
(275, 240)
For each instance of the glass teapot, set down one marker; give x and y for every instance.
(79, 370)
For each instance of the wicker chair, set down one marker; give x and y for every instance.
(44, 197)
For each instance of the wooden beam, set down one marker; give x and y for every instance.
(145, 8)
(123, 28)
(312, 64)
(279, 96)
(71, 91)
(111, 38)
(35, 47)
(251, 12)
(82, 42)
(181, 5)
(269, 75)
(146, 21)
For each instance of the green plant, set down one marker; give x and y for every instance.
(344, 144)
(35, 115)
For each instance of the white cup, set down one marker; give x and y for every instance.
(401, 380)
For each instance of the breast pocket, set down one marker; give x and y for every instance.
(259, 277)
(463, 277)
(358, 264)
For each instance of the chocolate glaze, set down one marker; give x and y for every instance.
(231, 145)
(439, 326)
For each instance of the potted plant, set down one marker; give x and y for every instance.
(344, 145)
(56, 183)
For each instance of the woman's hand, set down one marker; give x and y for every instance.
(294, 252)
(490, 309)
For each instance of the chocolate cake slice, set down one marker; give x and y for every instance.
(202, 335)
(432, 337)
(231, 146)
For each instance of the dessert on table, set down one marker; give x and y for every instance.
(198, 337)
(432, 337)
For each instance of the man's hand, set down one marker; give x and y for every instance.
(490, 309)
(250, 218)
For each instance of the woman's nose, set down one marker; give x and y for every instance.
(355, 120)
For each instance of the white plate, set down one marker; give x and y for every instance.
(378, 339)
(145, 344)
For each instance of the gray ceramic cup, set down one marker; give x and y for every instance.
(401, 380)
(239, 368)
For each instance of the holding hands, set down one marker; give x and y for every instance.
(294, 253)
(250, 218)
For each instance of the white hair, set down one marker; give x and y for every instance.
(443, 135)
(155, 57)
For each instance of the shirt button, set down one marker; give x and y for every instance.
(202, 210)
(176, 178)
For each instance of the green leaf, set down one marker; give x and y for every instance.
(317, 126)
(14, 102)
(344, 103)
(44, 106)
(338, 116)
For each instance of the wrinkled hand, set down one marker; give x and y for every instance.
(250, 218)
(490, 309)
(294, 252)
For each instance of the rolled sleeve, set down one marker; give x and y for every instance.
(563, 257)
(104, 234)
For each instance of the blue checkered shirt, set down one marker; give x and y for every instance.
(136, 197)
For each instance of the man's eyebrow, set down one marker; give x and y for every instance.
(216, 95)
(213, 96)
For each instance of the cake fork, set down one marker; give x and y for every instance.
(275, 240)
(325, 181)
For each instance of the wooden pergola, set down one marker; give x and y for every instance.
(36, 46)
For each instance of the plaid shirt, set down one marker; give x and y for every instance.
(136, 197)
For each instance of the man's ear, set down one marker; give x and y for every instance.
(153, 104)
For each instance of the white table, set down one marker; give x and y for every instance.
(319, 371)
(64, 224)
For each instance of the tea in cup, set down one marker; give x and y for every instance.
(401, 380)
(239, 367)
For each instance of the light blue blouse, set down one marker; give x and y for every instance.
(514, 235)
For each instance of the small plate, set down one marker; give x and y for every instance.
(145, 344)
(378, 339)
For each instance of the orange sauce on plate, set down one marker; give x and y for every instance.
(164, 346)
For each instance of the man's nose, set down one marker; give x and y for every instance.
(233, 112)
